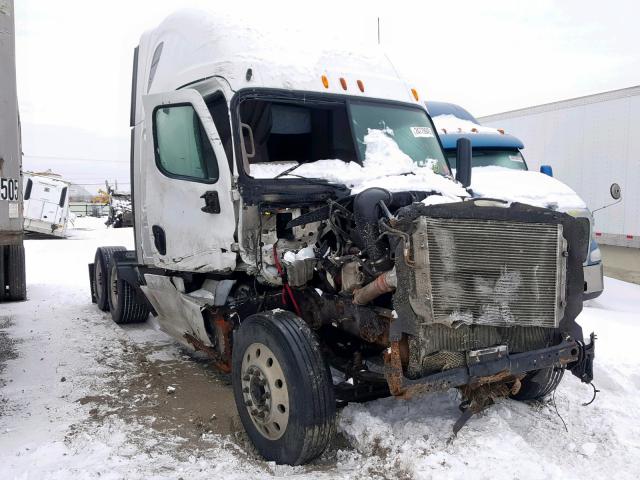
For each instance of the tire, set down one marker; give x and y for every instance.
(13, 286)
(102, 264)
(537, 385)
(282, 388)
(15, 277)
(3, 284)
(123, 302)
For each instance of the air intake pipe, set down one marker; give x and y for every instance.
(384, 283)
(366, 211)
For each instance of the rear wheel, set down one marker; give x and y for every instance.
(12, 273)
(537, 385)
(282, 388)
(102, 264)
(123, 302)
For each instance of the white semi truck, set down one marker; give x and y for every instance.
(12, 266)
(296, 219)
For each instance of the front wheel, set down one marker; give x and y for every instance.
(282, 388)
(537, 385)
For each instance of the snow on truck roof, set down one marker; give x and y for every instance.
(191, 45)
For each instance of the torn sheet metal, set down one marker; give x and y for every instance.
(178, 313)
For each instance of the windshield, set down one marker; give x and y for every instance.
(493, 158)
(410, 128)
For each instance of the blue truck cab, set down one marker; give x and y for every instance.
(493, 147)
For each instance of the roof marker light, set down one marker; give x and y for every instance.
(325, 81)
(501, 130)
(360, 85)
(343, 82)
(414, 92)
(474, 130)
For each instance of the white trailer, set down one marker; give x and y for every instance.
(46, 205)
(591, 142)
(12, 266)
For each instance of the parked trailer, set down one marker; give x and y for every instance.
(12, 268)
(277, 229)
(591, 142)
(46, 205)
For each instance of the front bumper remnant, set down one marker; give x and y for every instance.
(494, 364)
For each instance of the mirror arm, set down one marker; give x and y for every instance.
(606, 206)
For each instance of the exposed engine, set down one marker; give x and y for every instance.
(439, 279)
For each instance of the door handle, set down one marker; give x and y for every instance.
(159, 239)
(211, 202)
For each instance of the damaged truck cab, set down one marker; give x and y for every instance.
(299, 223)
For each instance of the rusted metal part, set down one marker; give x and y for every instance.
(384, 283)
(223, 332)
(374, 330)
(517, 385)
(393, 369)
(219, 361)
(498, 377)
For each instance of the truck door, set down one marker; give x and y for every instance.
(188, 218)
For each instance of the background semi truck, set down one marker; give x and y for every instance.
(498, 149)
(12, 267)
(592, 142)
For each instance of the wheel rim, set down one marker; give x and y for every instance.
(113, 287)
(264, 391)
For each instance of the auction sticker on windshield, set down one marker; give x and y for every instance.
(424, 132)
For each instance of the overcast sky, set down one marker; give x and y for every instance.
(74, 56)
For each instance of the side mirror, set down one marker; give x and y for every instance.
(615, 191)
(547, 170)
(463, 161)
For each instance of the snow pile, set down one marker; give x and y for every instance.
(523, 186)
(384, 165)
(452, 124)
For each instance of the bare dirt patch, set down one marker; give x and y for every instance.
(184, 397)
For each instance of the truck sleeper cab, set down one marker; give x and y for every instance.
(494, 148)
(306, 233)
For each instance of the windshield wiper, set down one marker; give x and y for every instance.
(287, 171)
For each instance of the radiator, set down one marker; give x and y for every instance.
(488, 272)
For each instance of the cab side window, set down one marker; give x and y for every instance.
(182, 147)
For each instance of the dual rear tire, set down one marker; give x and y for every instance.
(113, 293)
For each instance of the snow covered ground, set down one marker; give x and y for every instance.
(84, 398)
